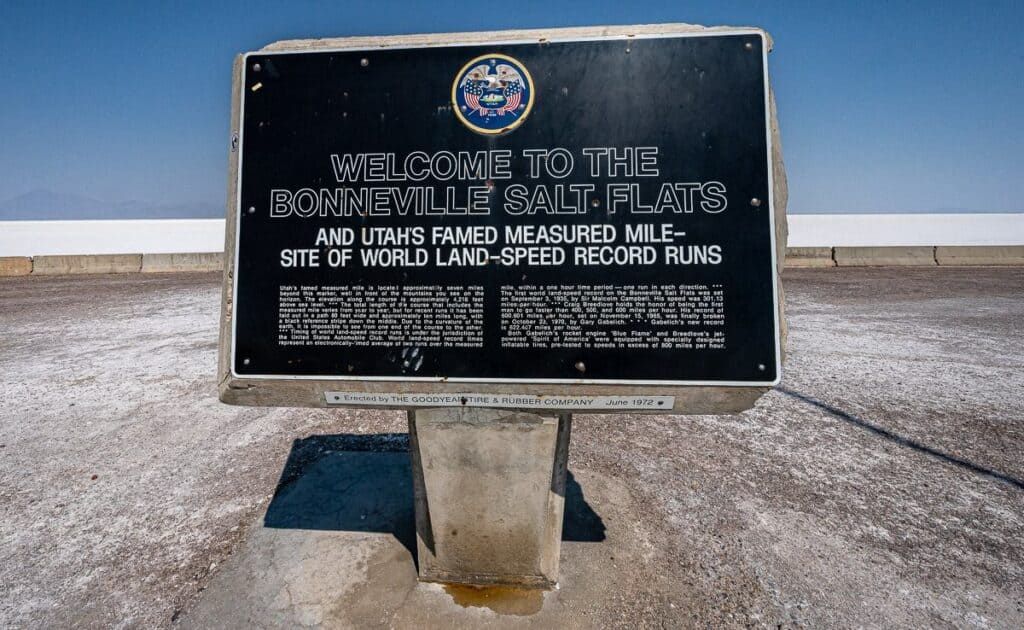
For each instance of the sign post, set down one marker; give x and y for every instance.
(494, 230)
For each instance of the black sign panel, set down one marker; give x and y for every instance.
(585, 211)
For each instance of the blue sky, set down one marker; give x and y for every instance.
(884, 106)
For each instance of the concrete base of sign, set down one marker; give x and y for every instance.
(489, 488)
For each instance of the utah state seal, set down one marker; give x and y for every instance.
(492, 94)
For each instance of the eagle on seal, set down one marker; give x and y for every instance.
(498, 91)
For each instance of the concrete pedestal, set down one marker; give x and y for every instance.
(490, 491)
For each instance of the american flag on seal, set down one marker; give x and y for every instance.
(481, 79)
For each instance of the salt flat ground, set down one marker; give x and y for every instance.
(881, 485)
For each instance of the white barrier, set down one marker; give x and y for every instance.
(884, 230)
(151, 236)
(167, 236)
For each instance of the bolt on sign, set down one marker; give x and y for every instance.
(570, 219)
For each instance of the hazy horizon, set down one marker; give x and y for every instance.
(122, 110)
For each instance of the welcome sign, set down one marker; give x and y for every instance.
(583, 211)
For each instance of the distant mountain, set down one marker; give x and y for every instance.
(45, 205)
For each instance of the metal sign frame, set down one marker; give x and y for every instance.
(230, 378)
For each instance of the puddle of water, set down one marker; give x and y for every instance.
(504, 600)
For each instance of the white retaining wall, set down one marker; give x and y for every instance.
(167, 236)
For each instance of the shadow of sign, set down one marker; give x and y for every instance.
(363, 483)
(903, 441)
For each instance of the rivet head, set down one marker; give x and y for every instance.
(364, 62)
(252, 210)
(761, 367)
(748, 46)
(245, 361)
(256, 67)
(755, 202)
(581, 366)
